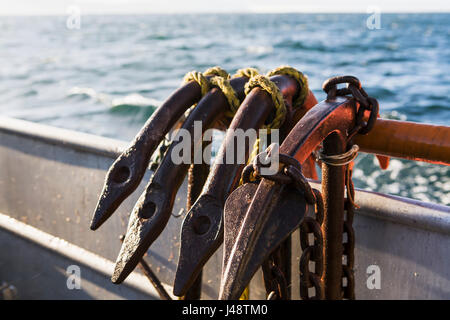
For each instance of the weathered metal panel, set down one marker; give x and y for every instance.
(40, 266)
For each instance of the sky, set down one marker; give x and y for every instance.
(60, 7)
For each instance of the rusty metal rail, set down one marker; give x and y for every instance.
(408, 140)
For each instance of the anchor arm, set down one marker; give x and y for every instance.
(127, 171)
(201, 232)
(198, 244)
(152, 211)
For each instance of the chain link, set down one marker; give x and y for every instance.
(291, 173)
(355, 89)
(312, 253)
(348, 263)
(274, 280)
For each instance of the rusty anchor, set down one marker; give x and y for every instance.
(336, 115)
(290, 205)
(202, 229)
(153, 209)
(197, 175)
(253, 213)
(128, 169)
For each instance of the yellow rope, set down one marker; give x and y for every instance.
(199, 78)
(217, 71)
(202, 81)
(222, 82)
(224, 85)
(280, 109)
(277, 98)
(297, 75)
(246, 72)
(246, 294)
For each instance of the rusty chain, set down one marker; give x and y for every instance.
(355, 89)
(275, 280)
(291, 173)
(348, 261)
(312, 253)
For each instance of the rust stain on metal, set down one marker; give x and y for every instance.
(408, 140)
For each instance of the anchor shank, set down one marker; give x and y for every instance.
(197, 176)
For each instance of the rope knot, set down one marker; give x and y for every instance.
(267, 85)
(224, 85)
(297, 75)
(246, 72)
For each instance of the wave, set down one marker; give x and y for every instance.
(300, 45)
(381, 93)
(394, 115)
(258, 50)
(158, 37)
(125, 103)
(386, 59)
(432, 109)
(134, 100)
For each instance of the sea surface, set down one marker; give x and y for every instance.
(108, 76)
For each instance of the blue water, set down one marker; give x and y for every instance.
(108, 76)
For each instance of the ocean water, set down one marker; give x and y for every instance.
(108, 77)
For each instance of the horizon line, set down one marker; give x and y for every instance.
(140, 13)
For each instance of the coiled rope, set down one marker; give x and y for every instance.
(246, 72)
(205, 85)
(228, 91)
(343, 159)
(280, 109)
(280, 114)
(224, 85)
(297, 75)
(201, 79)
(270, 87)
